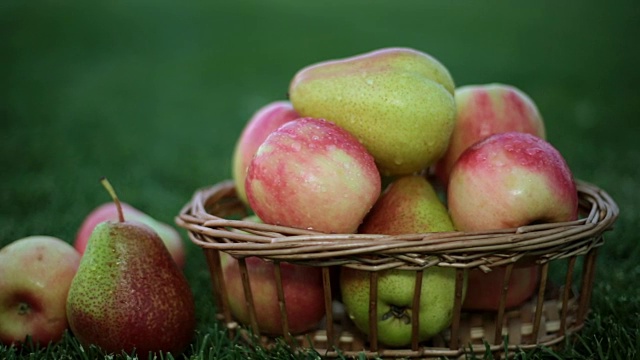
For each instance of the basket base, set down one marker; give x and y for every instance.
(477, 333)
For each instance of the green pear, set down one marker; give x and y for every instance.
(408, 205)
(128, 293)
(397, 101)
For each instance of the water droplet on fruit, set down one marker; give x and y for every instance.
(369, 81)
(397, 161)
(532, 151)
(296, 146)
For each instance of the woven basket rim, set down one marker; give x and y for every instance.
(205, 217)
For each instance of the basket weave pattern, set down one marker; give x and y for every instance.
(556, 311)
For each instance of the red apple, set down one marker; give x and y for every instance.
(108, 211)
(312, 174)
(484, 110)
(505, 181)
(35, 275)
(303, 294)
(262, 123)
(484, 289)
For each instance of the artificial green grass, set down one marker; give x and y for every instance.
(154, 94)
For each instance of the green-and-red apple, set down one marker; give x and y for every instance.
(483, 292)
(303, 294)
(262, 123)
(484, 110)
(408, 205)
(312, 174)
(35, 275)
(397, 101)
(108, 211)
(505, 181)
(302, 286)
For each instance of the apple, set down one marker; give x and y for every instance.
(408, 205)
(484, 289)
(303, 294)
(260, 125)
(108, 211)
(312, 174)
(395, 298)
(484, 110)
(505, 181)
(35, 275)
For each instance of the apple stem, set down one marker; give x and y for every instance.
(112, 192)
(23, 308)
(398, 312)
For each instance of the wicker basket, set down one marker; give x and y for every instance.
(557, 310)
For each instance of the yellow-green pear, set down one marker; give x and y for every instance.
(397, 101)
(408, 205)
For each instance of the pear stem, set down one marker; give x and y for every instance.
(112, 192)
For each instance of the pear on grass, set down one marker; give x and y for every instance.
(128, 293)
(408, 205)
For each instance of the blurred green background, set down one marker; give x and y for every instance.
(154, 94)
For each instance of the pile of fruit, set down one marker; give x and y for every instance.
(467, 159)
(120, 286)
(317, 161)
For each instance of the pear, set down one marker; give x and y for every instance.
(398, 102)
(128, 293)
(408, 205)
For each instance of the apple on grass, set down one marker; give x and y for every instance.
(263, 122)
(35, 275)
(108, 211)
(312, 174)
(484, 110)
(505, 181)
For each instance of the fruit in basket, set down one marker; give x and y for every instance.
(397, 101)
(408, 205)
(484, 110)
(302, 287)
(484, 289)
(128, 292)
(506, 181)
(35, 275)
(262, 123)
(310, 173)
(109, 211)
